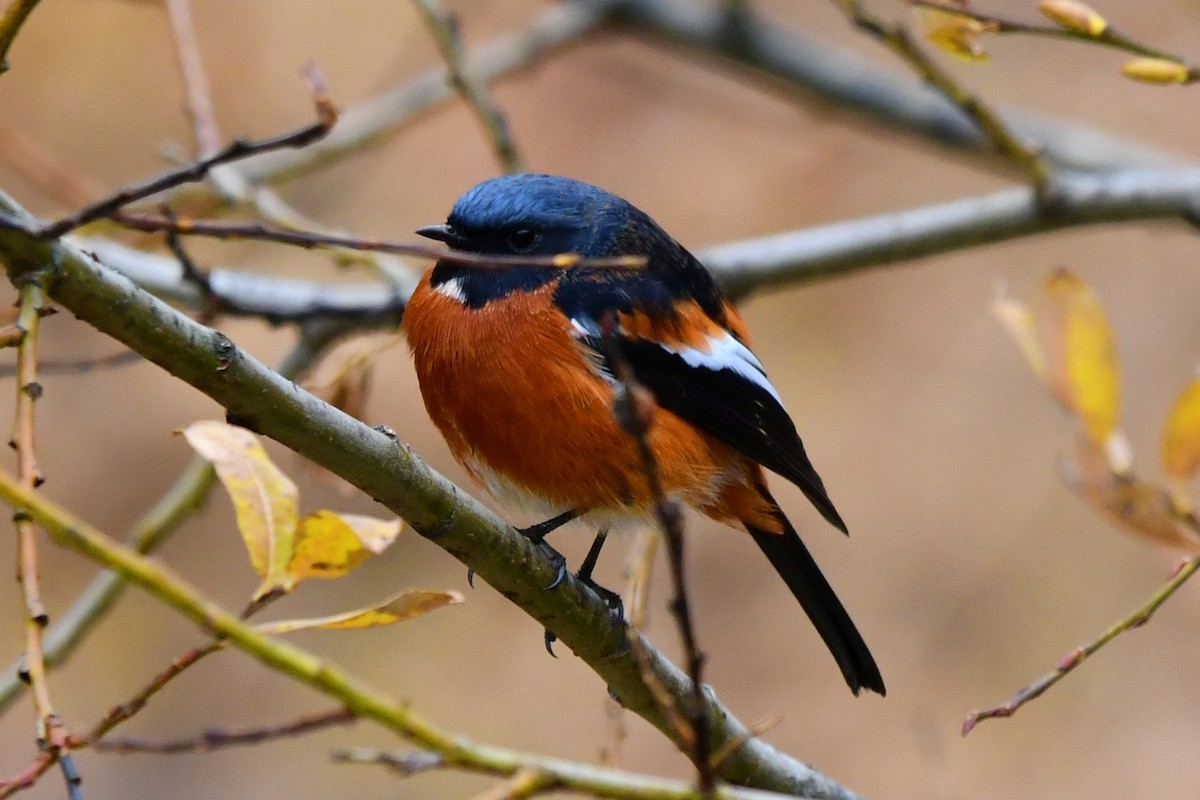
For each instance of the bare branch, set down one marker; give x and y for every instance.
(1071, 201)
(219, 738)
(444, 26)
(1080, 654)
(793, 62)
(991, 125)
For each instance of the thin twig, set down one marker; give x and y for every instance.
(124, 711)
(121, 712)
(219, 738)
(193, 274)
(195, 81)
(443, 25)
(234, 151)
(1080, 654)
(51, 734)
(634, 409)
(896, 37)
(232, 185)
(10, 24)
(310, 239)
(79, 366)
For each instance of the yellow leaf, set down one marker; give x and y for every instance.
(1138, 507)
(1181, 434)
(956, 34)
(1160, 71)
(1082, 368)
(264, 499)
(1017, 319)
(329, 545)
(406, 605)
(342, 377)
(1074, 16)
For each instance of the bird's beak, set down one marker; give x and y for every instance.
(442, 233)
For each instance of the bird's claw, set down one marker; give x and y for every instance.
(559, 560)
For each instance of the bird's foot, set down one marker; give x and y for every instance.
(537, 534)
(616, 606)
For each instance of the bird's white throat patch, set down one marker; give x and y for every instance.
(453, 289)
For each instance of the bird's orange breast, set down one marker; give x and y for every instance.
(515, 395)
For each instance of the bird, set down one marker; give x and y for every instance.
(510, 357)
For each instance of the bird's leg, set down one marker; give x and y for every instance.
(611, 598)
(585, 576)
(537, 534)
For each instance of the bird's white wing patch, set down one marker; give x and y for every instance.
(726, 352)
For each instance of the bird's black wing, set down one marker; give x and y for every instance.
(718, 385)
(733, 407)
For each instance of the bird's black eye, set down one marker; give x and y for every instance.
(522, 240)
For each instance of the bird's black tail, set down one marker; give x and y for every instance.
(796, 566)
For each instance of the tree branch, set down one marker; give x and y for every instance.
(392, 474)
(794, 62)
(1071, 200)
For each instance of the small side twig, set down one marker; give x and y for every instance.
(897, 38)
(210, 301)
(51, 734)
(443, 25)
(124, 711)
(218, 738)
(1080, 654)
(634, 407)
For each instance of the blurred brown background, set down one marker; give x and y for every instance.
(971, 569)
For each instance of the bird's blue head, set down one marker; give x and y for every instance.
(534, 215)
